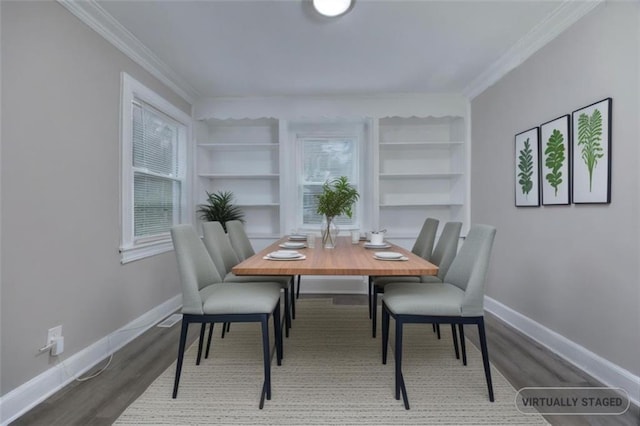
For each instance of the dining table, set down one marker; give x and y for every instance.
(346, 258)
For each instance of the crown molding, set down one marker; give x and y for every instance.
(98, 19)
(561, 18)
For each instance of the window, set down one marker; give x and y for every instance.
(324, 159)
(154, 160)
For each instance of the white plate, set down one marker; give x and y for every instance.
(284, 254)
(387, 255)
(392, 259)
(289, 244)
(376, 246)
(298, 237)
(299, 257)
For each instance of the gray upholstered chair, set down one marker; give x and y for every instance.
(207, 300)
(244, 250)
(224, 257)
(442, 256)
(423, 246)
(459, 300)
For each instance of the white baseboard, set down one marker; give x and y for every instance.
(603, 370)
(21, 399)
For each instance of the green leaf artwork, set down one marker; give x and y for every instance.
(554, 158)
(526, 168)
(589, 138)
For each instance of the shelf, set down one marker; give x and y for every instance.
(425, 144)
(256, 205)
(419, 175)
(239, 176)
(238, 146)
(427, 204)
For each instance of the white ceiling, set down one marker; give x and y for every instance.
(282, 47)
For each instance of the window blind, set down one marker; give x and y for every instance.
(324, 159)
(156, 171)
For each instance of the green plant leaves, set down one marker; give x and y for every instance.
(554, 158)
(526, 168)
(589, 139)
(337, 197)
(220, 208)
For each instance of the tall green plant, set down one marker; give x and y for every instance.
(220, 208)
(526, 168)
(554, 159)
(589, 138)
(337, 197)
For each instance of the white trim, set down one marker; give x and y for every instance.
(132, 89)
(20, 400)
(130, 254)
(561, 18)
(298, 109)
(602, 369)
(93, 15)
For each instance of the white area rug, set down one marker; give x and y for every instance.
(331, 374)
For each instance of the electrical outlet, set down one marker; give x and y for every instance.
(54, 334)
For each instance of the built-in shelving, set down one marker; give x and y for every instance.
(421, 172)
(243, 156)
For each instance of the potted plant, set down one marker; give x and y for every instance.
(337, 197)
(220, 208)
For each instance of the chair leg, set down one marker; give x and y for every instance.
(181, 345)
(385, 333)
(438, 330)
(400, 387)
(298, 291)
(206, 352)
(463, 344)
(287, 313)
(485, 357)
(225, 329)
(277, 333)
(370, 295)
(293, 299)
(374, 311)
(266, 388)
(454, 333)
(203, 326)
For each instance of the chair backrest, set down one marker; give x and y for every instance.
(446, 248)
(195, 266)
(423, 246)
(239, 239)
(219, 247)
(469, 268)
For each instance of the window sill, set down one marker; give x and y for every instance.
(141, 251)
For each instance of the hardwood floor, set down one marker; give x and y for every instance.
(101, 400)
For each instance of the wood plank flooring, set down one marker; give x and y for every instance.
(101, 400)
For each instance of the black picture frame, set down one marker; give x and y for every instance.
(591, 153)
(527, 168)
(555, 161)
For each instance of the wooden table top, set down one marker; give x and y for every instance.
(345, 259)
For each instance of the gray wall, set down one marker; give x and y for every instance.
(60, 190)
(573, 269)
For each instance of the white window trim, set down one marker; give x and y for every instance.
(129, 249)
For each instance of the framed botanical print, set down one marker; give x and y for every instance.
(527, 159)
(591, 146)
(555, 152)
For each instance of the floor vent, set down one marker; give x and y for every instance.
(170, 321)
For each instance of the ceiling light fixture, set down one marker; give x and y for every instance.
(332, 8)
